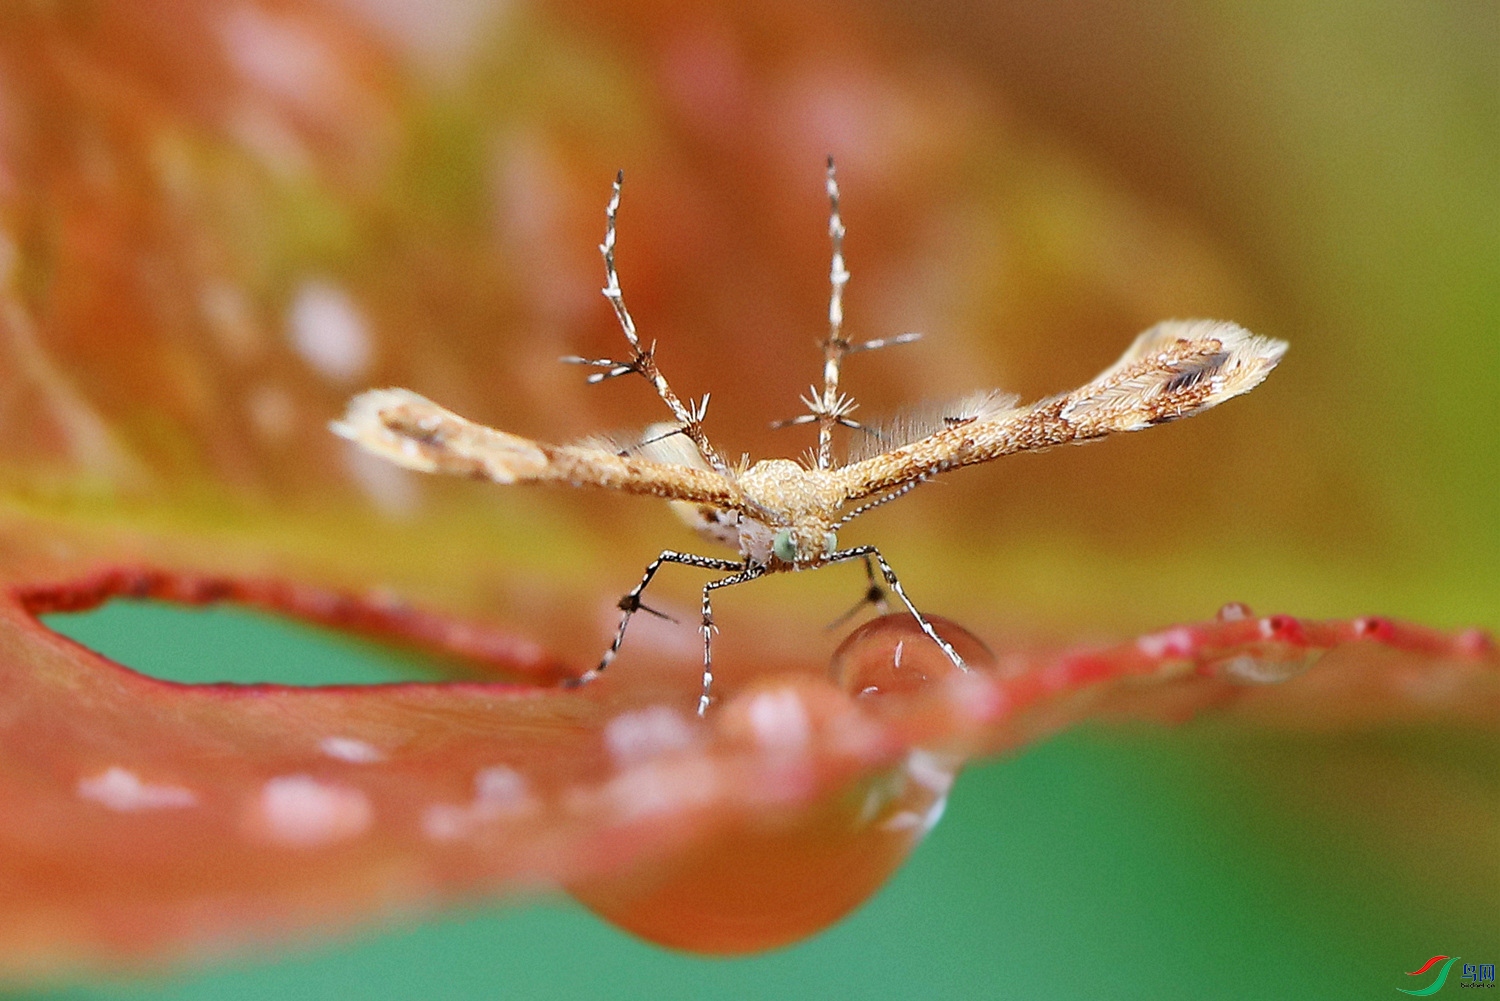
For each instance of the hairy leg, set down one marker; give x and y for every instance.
(708, 629)
(631, 602)
(890, 578)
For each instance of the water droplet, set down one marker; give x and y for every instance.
(1252, 669)
(350, 749)
(1374, 627)
(1234, 611)
(1283, 628)
(757, 885)
(644, 734)
(892, 656)
(300, 811)
(122, 790)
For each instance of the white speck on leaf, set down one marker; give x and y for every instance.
(350, 749)
(638, 736)
(499, 792)
(301, 812)
(122, 790)
(780, 721)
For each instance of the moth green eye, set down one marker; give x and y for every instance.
(784, 546)
(830, 543)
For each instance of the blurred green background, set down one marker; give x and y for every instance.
(1030, 184)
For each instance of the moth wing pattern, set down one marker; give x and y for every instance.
(412, 431)
(1175, 369)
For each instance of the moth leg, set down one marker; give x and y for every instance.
(828, 407)
(709, 629)
(874, 595)
(867, 552)
(631, 603)
(643, 360)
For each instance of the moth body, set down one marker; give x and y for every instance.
(780, 515)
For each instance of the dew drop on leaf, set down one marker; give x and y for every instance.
(891, 656)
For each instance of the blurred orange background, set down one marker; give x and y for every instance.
(194, 196)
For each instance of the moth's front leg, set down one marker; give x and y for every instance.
(631, 603)
(744, 575)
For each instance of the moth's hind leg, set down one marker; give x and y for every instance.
(867, 552)
(631, 603)
(874, 595)
(709, 629)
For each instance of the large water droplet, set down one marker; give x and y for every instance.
(777, 877)
(892, 656)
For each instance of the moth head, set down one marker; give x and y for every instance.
(788, 545)
(784, 545)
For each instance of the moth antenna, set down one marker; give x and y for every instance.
(643, 360)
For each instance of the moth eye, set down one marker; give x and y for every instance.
(784, 546)
(830, 543)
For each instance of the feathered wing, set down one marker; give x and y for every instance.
(1176, 369)
(412, 431)
(916, 422)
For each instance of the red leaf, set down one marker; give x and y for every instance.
(144, 819)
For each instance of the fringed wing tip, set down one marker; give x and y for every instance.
(1249, 357)
(365, 422)
(1176, 369)
(412, 431)
(362, 413)
(1170, 334)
